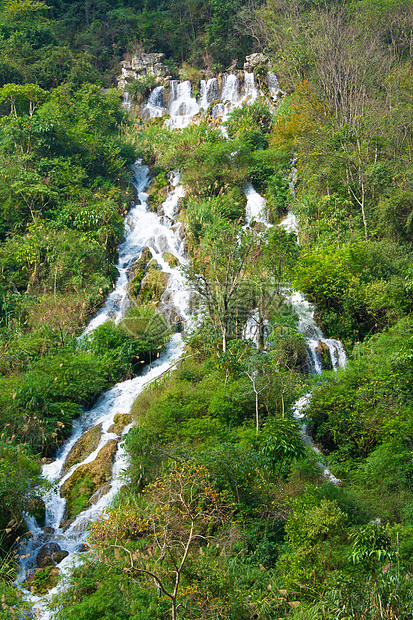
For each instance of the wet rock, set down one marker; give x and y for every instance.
(170, 259)
(153, 286)
(87, 479)
(82, 548)
(37, 509)
(84, 446)
(45, 555)
(59, 556)
(156, 195)
(138, 271)
(119, 422)
(100, 493)
(67, 523)
(323, 353)
(48, 530)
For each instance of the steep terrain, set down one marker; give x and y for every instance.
(198, 494)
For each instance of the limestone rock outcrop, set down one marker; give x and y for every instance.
(140, 65)
(252, 61)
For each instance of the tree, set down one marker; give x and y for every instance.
(182, 508)
(257, 372)
(218, 270)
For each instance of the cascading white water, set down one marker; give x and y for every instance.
(256, 206)
(273, 85)
(143, 229)
(127, 101)
(313, 336)
(298, 413)
(209, 92)
(183, 106)
(155, 105)
(162, 235)
(255, 210)
(251, 92)
(290, 223)
(230, 88)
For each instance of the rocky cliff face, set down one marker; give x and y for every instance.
(139, 66)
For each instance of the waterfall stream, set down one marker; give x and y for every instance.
(161, 234)
(314, 338)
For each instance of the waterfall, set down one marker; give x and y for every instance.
(273, 86)
(313, 337)
(183, 106)
(155, 105)
(230, 92)
(255, 211)
(251, 92)
(161, 234)
(256, 206)
(209, 92)
(298, 413)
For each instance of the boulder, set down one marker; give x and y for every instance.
(170, 259)
(42, 580)
(45, 555)
(84, 446)
(87, 479)
(153, 286)
(82, 548)
(139, 65)
(323, 353)
(100, 493)
(59, 556)
(48, 530)
(67, 523)
(148, 63)
(137, 273)
(119, 422)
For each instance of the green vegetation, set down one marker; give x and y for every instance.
(225, 513)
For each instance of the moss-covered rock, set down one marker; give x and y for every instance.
(87, 479)
(138, 271)
(100, 493)
(42, 580)
(170, 259)
(59, 556)
(153, 285)
(156, 197)
(84, 446)
(158, 190)
(323, 353)
(119, 422)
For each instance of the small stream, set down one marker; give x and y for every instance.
(314, 338)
